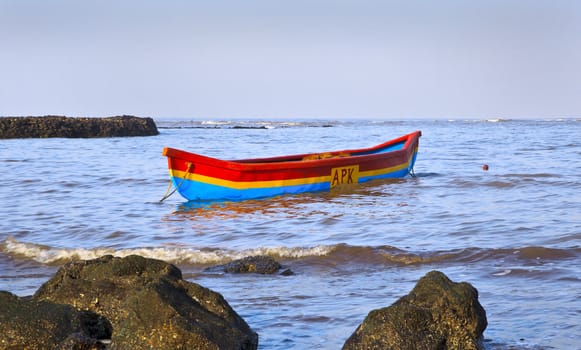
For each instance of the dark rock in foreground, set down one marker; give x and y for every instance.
(57, 126)
(148, 304)
(138, 303)
(436, 314)
(31, 324)
(260, 264)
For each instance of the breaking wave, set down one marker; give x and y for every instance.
(339, 253)
(171, 253)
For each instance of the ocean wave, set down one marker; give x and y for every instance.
(334, 254)
(395, 256)
(171, 253)
(513, 180)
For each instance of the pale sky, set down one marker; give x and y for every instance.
(380, 59)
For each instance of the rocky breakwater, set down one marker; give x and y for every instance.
(121, 303)
(437, 314)
(58, 126)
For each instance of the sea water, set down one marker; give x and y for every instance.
(513, 232)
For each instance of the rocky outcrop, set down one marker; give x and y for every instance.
(260, 264)
(436, 314)
(138, 303)
(58, 126)
(148, 305)
(32, 324)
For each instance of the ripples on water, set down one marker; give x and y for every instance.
(513, 231)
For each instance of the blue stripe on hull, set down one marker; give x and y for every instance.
(387, 149)
(195, 190)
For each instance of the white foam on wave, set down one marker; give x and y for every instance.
(502, 273)
(215, 122)
(173, 254)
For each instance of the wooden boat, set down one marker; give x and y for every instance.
(197, 177)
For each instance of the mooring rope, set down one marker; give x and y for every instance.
(169, 185)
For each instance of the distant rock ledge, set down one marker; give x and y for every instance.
(68, 127)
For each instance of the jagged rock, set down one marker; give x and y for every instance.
(59, 126)
(149, 305)
(32, 324)
(436, 314)
(260, 264)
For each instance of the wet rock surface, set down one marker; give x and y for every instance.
(59, 126)
(436, 314)
(147, 303)
(260, 264)
(32, 324)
